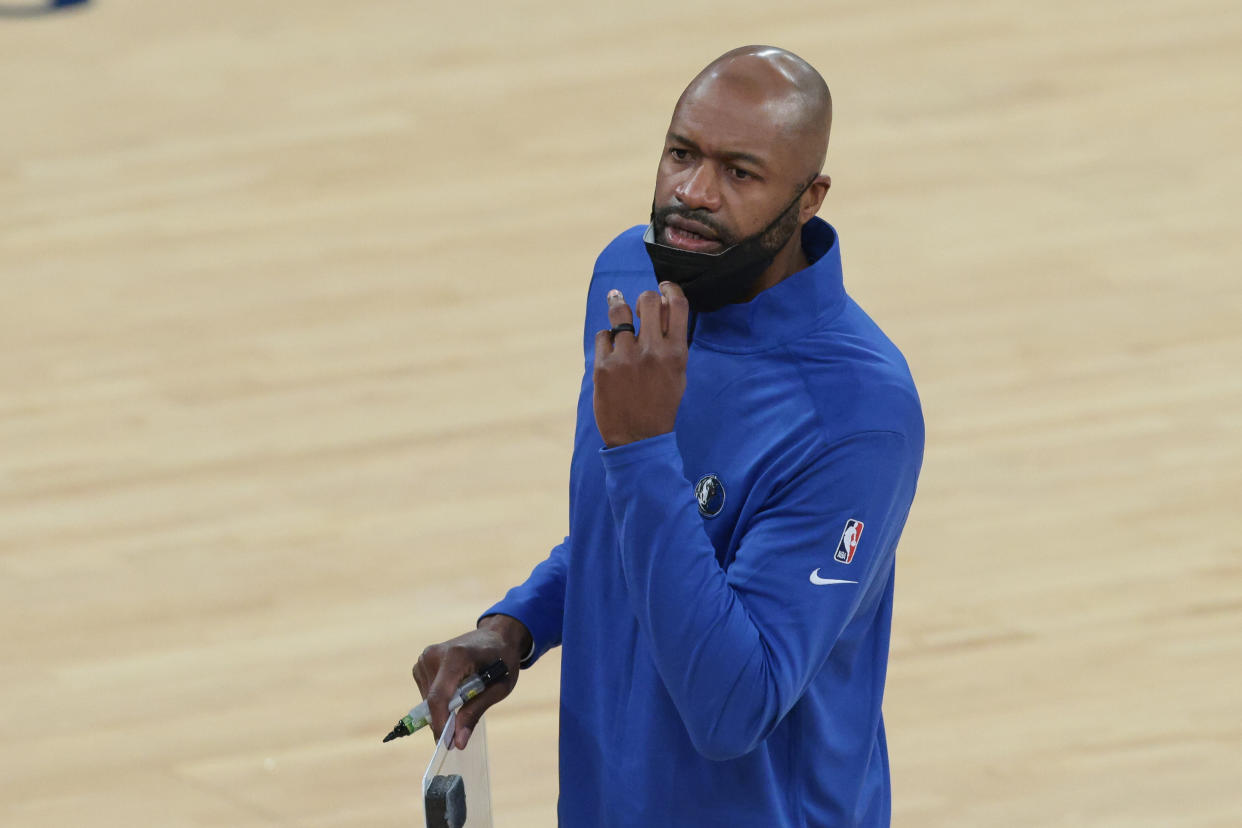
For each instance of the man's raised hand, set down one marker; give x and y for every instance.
(640, 378)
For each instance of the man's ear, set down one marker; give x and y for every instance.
(814, 196)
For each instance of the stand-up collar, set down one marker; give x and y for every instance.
(787, 310)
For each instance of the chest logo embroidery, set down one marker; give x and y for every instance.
(849, 541)
(711, 495)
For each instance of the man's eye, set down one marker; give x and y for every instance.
(739, 174)
(679, 154)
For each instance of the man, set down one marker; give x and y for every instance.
(746, 452)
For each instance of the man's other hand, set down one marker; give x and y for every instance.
(442, 668)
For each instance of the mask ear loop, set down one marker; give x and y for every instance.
(780, 216)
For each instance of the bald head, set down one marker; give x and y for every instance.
(791, 95)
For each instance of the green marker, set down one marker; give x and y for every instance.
(420, 716)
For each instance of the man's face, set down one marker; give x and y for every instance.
(727, 171)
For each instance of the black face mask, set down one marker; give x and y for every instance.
(713, 280)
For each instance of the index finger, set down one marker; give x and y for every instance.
(678, 312)
(619, 312)
(455, 668)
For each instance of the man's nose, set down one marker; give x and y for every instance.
(700, 189)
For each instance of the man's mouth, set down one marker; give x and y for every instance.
(690, 235)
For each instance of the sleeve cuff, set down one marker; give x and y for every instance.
(618, 457)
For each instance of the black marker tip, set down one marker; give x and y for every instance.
(397, 732)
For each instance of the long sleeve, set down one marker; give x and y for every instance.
(539, 602)
(737, 648)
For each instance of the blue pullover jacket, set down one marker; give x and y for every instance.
(724, 596)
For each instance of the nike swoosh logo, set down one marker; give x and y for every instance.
(818, 581)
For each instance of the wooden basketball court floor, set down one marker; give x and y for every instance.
(289, 349)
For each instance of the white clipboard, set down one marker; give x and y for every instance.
(457, 790)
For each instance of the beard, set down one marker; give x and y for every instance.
(713, 280)
(770, 239)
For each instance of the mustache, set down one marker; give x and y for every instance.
(659, 217)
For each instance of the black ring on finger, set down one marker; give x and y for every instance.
(618, 328)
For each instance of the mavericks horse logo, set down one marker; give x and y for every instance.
(711, 495)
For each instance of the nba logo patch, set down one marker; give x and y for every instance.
(849, 541)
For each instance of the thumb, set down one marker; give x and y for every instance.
(470, 713)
